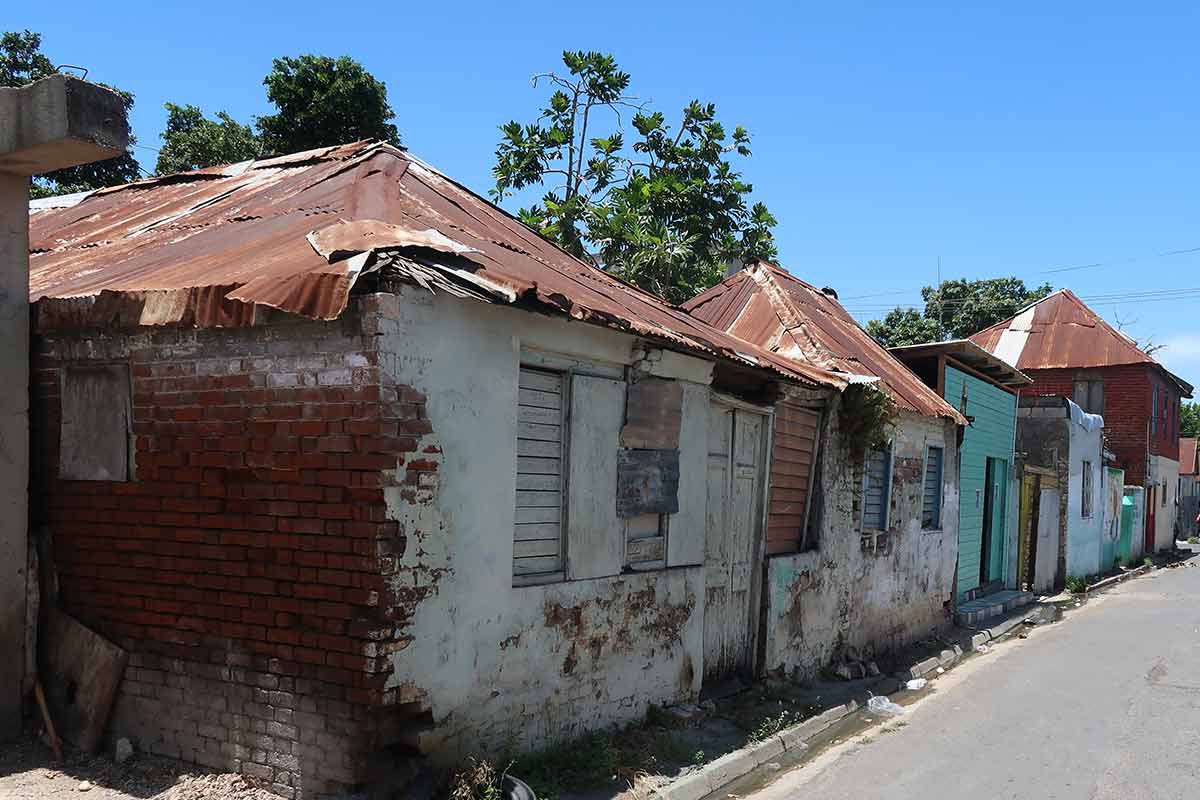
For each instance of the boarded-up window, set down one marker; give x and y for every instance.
(594, 541)
(931, 500)
(537, 533)
(1089, 395)
(1085, 506)
(96, 424)
(792, 474)
(876, 494)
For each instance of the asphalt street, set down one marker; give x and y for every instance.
(1104, 704)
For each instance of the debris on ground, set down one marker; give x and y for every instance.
(916, 684)
(880, 704)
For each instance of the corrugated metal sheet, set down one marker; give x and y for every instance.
(772, 308)
(206, 248)
(1063, 333)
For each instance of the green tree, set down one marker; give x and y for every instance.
(904, 326)
(192, 142)
(955, 310)
(324, 101)
(667, 212)
(22, 62)
(1189, 420)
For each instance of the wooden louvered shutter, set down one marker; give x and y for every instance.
(876, 495)
(792, 469)
(537, 533)
(931, 501)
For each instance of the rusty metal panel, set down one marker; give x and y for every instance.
(1065, 334)
(647, 482)
(296, 232)
(773, 309)
(653, 412)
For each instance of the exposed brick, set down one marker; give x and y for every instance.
(242, 569)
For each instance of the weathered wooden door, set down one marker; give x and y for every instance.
(1045, 571)
(1151, 504)
(736, 445)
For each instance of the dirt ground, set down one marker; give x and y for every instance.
(29, 771)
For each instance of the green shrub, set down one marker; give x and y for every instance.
(1077, 585)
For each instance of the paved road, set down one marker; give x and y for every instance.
(1103, 705)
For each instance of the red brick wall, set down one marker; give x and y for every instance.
(247, 567)
(1127, 401)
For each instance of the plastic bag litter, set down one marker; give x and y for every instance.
(982, 648)
(916, 684)
(880, 704)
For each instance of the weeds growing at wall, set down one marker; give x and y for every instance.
(866, 418)
(1077, 585)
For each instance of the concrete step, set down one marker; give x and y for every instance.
(974, 613)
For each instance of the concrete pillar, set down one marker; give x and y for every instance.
(14, 440)
(53, 123)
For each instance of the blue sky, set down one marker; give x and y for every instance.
(1005, 142)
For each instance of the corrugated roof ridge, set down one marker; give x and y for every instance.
(775, 272)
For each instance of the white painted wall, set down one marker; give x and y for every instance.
(1165, 473)
(1083, 533)
(837, 600)
(510, 667)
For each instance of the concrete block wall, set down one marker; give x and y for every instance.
(249, 566)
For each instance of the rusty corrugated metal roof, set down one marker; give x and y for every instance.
(1061, 332)
(207, 247)
(1187, 457)
(772, 308)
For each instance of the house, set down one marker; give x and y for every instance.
(357, 468)
(860, 549)
(1189, 489)
(1063, 442)
(985, 389)
(1069, 350)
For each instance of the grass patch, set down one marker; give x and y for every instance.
(595, 760)
(769, 726)
(480, 781)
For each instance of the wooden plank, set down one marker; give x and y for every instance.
(534, 548)
(543, 433)
(525, 516)
(536, 530)
(792, 455)
(538, 499)
(533, 447)
(538, 466)
(536, 565)
(803, 443)
(784, 495)
(653, 414)
(82, 671)
(539, 399)
(540, 416)
(541, 381)
(539, 483)
(789, 482)
(595, 544)
(786, 520)
(650, 548)
(793, 470)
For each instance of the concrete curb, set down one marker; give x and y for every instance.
(1115, 579)
(717, 774)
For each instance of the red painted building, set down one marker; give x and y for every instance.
(1069, 350)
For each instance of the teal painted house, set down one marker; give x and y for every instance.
(985, 389)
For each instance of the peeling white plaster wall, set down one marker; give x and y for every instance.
(1164, 472)
(838, 600)
(499, 666)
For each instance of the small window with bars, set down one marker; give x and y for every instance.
(541, 425)
(931, 499)
(876, 490)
